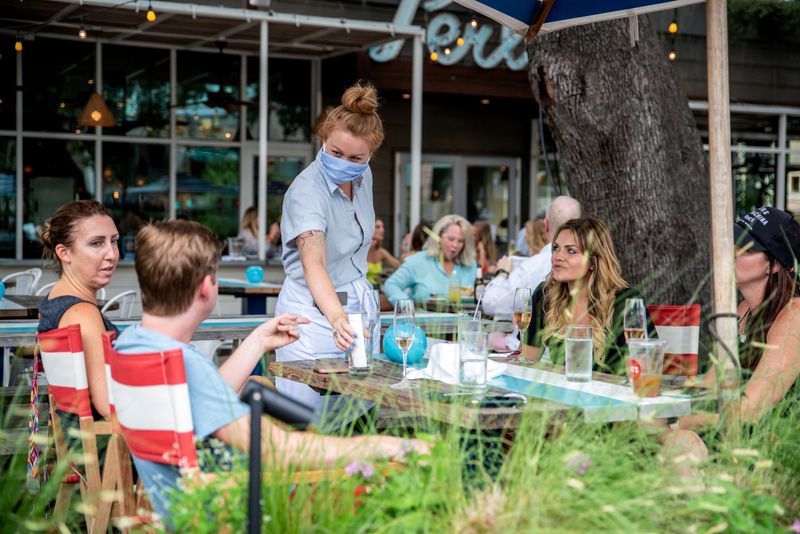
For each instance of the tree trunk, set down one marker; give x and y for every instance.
(630, 151)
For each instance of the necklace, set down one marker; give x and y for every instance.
(743, 337)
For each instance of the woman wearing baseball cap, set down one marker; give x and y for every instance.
(767, 249)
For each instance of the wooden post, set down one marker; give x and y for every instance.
(720, 184)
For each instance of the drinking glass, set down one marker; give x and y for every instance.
(635, 320)
(473, 352)
(523, 310)
(645, 365)
(468, 322)
(404, 328)
(371, 312)
(454, 294)
(578, 364)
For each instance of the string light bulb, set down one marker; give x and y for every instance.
(18, 43)
(672, 55)
(447, 51)
(434, 56)
(151, 14)
(82, 31)
(473, 23)
(673, 26)
(460, 41)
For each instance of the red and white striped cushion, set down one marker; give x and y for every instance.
(65, 367)
(680, 327)
(151, 402)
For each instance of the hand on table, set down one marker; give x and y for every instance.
(343, 334)
(280, 331)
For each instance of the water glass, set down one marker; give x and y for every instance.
(235, 247)
(579, 356)
(473, 352)
(371, 312)
(468, 322)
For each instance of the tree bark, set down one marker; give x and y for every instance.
(630, 152)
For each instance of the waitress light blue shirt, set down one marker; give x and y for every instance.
(421, 275)
(314, 202)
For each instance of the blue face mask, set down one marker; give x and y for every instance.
(341, 171)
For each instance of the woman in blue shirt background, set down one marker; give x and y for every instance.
(429, 272)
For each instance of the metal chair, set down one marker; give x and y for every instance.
(126, 301)
(24, 281)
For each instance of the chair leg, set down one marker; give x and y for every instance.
(63, 498)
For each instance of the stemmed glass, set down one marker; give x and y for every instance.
(634, 323)
(523, 310)
(635, 319)
(371, 310)
(404, 327)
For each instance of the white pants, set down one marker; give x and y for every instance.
(316, 341)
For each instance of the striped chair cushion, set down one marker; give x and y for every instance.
(151, 403)
(65, 367)
(680, 327)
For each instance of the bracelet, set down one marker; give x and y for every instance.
(498, 272)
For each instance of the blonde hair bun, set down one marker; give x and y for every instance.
(360, 98)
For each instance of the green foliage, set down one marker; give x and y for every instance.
(767, 21)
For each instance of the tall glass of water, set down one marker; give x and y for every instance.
(371, 312)
(404, 328)
(473, 352)
(579, 356)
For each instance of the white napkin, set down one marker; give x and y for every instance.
(443, 365)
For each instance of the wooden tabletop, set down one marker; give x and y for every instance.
(246, 289)
(605, 399)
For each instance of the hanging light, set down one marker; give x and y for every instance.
(151, 14)
(96, 113)
(447, 51)
(18, 43)
(82, 31)
(672, 55)
(434, 56)
(460, 41)
(473, 23)
(673, 26)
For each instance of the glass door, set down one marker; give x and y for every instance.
(489, 196)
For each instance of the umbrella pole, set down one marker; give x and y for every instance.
(720, 186)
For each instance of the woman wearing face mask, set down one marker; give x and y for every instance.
(584, 287)
(326, 227)
(450, 254)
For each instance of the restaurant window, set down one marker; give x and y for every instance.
(8, 84)
(754, 180)
(8, 197)
(208, 188)
(135, 184)
(58, 81)
(208, 100)
(289, 100)
(54, 172)
(136, 89)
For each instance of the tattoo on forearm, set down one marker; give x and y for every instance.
(308, 241)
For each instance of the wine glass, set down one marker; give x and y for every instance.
(635, 319)
(404, 328)
(634, 322)
(371, 310)
(523, 310)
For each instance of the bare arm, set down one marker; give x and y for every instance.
(271, 335)
(88, 317)
(531, 353)
(311, 246)
(389, 260)
(303, 449)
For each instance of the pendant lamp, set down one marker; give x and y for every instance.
(96, 113)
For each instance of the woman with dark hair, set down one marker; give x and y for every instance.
(767, 248)
(81, 242)
(584, 287)
(378, 257)
(485, 249)
(413, 242)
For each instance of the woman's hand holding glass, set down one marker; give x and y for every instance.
(343, 334)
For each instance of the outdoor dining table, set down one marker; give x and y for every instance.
(604, 399)
(27, 306)
(254, 295)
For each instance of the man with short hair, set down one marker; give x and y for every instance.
(498, 299)
(176, 263)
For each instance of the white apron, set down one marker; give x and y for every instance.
(316, 341)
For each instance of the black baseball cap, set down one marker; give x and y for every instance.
(772, 231)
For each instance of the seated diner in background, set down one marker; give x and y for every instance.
(249, 233)
(485, 249)
(378, 257)
(449, 253)
(584, 287)
(81, 242)
(176, 263)
(414, 241)
(767, 242)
